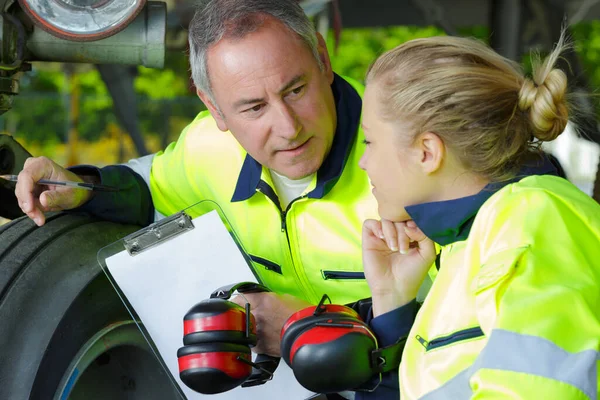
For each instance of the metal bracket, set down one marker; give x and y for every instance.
(157, 233)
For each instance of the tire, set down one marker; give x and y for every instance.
(64, 332)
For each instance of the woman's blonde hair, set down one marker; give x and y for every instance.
(480, 103)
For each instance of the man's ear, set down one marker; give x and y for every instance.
(432, 151)
(214, 111)
(324, 56)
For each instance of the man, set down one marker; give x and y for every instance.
(286, 176)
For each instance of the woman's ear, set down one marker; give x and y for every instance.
(432, 151)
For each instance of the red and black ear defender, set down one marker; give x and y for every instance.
(218, 335)
(330, 349)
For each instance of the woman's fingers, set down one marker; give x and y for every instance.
(397, 236)
(390, 233)
(413, 233)
(373, 227)
(403, 239)
(425, 245)
(373, 237)
(372, 233)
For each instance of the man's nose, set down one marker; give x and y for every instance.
(287, 124)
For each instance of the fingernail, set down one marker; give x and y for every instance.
(38, 221)
(49, 201)
(403, 251)
(381, 236)
(393, 247)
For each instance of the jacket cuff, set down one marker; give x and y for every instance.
(393, 325)
(130, 204)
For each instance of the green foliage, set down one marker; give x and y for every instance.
(95, 104)
(160, 84)
(42, 110)
(478, 32)
(37, 117)
(168, 83)
(166, 101)
(586, 37)
(358, 48)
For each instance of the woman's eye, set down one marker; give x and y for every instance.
(366, 142)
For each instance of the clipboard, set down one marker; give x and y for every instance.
(161, 271)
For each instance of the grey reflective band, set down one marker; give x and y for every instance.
(143, 166)
(510, 351)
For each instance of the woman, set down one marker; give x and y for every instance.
(452, 149)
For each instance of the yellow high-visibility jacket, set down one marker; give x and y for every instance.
(311, 248)
(514, 311)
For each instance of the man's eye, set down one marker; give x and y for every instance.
(366, 142)
(298, 90)
(254, 109)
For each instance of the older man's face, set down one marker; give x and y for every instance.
(274, 98)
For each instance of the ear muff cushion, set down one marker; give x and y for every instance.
(303, 319)
(219, 336)
(292, 331)
(213, 367)
(329, 360)
(217, 320)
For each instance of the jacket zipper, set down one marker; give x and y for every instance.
(269, 265)
(265, 189)
(342, 275)
(459, 336)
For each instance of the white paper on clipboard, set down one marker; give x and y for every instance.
(163, 282)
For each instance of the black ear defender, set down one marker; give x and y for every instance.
(217, 336)
(330, 349)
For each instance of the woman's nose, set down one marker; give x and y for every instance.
(362, 163)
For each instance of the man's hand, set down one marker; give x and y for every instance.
(36, 199)
(270, 310)
(396, 258)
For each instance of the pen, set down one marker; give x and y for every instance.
(80, 185)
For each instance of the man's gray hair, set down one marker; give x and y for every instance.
(217, 19)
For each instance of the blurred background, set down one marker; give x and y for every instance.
(102, 114)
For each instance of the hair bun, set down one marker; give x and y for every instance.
(545, 101)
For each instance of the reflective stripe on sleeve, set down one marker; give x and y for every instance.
(510, 351)
(143, 166)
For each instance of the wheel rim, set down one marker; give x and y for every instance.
(115, 363)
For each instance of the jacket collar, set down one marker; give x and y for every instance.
(450, 221)
(348, 105)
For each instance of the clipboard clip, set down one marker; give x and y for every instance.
(158, 232)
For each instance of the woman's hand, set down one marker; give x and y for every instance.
(396, 258)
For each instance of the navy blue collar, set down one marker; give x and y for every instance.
(450, 221)
(348, 105)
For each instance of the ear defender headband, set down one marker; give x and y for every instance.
(330, 349)
(217, 337)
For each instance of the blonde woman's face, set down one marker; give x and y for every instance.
(391, 161)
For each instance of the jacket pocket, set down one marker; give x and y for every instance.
(269, 265)
(497, 268)
(443, 341)
(346, 275)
